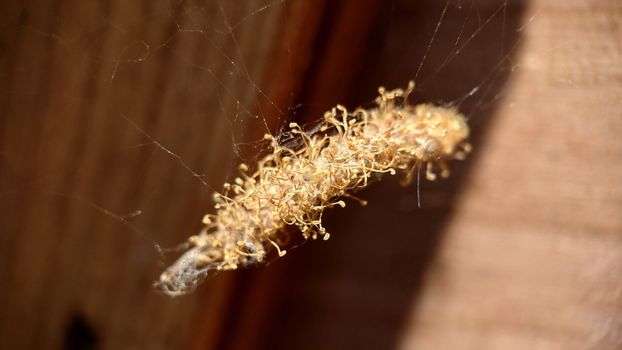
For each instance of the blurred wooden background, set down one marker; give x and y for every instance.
(119, 119)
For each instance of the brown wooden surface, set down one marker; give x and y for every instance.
(520, 249)
(76, 77)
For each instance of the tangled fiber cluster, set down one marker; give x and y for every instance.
(293, 185)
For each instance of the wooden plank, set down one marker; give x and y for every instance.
(532, 257)
(82, 85)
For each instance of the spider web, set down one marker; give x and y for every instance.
(229, 83)
(187, 98)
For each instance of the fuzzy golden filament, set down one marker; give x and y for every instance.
(292, 186)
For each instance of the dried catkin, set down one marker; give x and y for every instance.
(292, 186)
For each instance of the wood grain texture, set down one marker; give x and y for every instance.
(83, 83)
(521, 248)
(532, 258)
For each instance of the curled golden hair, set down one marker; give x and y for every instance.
(292, 186)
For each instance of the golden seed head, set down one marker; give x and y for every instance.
(294, 186)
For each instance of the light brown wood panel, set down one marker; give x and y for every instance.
(532, 258)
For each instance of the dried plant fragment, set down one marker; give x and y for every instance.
(292, 187)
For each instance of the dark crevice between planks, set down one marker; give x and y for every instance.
(80, 334)
(315, 62)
